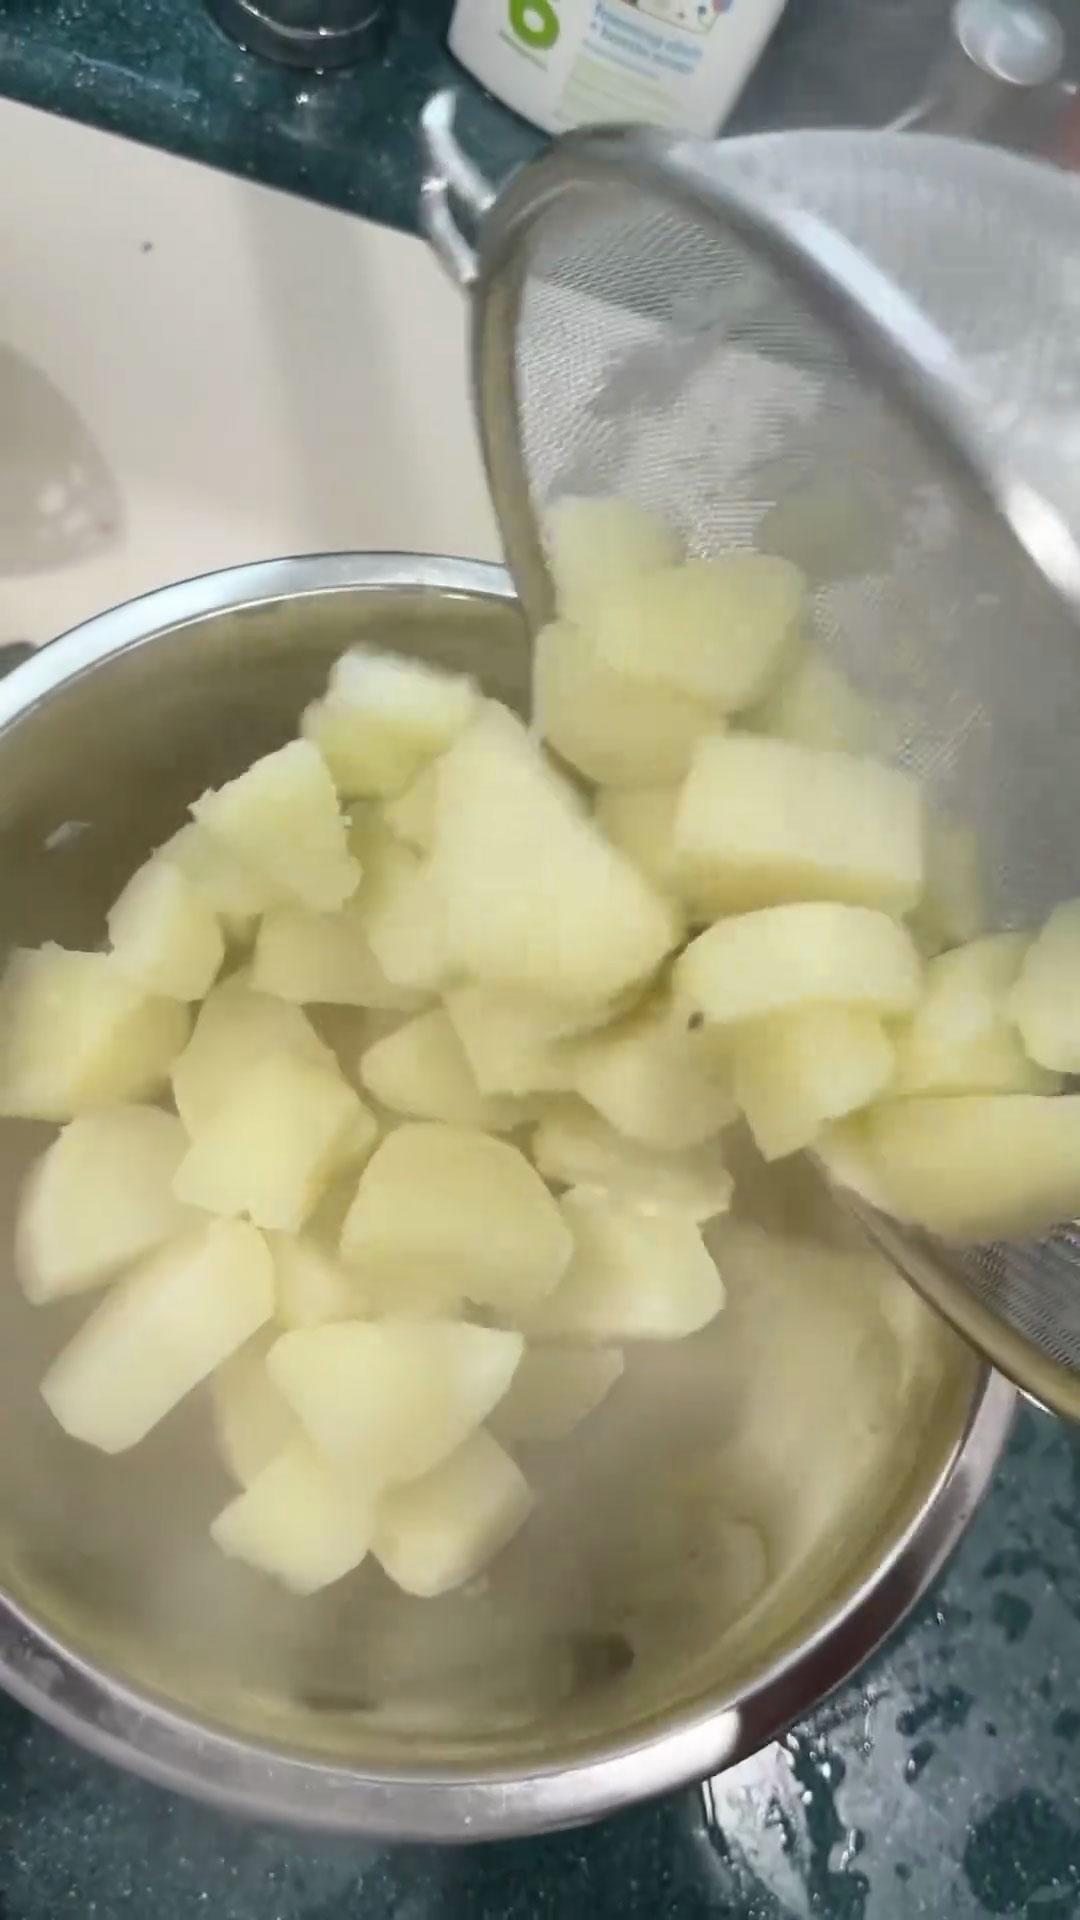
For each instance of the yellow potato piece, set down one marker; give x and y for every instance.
(554, 1390)
(577, 1146)
(311, 1285)
(412, 815)
(326, 958)
(235, 1029)
(76, 1033)
(810, 954)
(797, 1071)
(390, 1399)
(444, 1212)
(640, 821)
(164, 935)
(160, 1332)
(514, 1045)
(299, 1522)
(953, 906)
(236, 893)
(816, 705)
(252, 1423)
(282, 818)
(1045, 1001)
(536, 900)
(275, 1142)
(447, 1527)
(762, 822)
(633, 1276)
(999, 1166)
(422, 1069)
(98, 1198)
(719, 631)
(653, 1079)
(597, 546)
(614, 729)
(382, 717)
(961, 1037)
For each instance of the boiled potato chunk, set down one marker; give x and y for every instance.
(252, 1423)
(236, 893)
(953, 906)
(653, 1079)
(236, 1027)
(421, 1069)
(405, 922)
(298, 1521)
(844, 1150)
(640, 821)
(313, 958)
(282, 819)
(998, 1166)
(312, 1286)
(159, 1332)
(797, 1071)
(389, 1399)
(513, 1045)
(536, 900)
(597, 547)
(616, 730)
(805, 955)
(412, 815)
(275, 1142)
(163, 934)
(98, 1198)
(76, 1033)
(1045, 1001)
(382, 717)
(575, 1145)
(817, 706)
(445, 1528)
(763, 821)
(444, 1212)
(554, 1390)
(718, 631)
(961, 1038)
(633, 1276)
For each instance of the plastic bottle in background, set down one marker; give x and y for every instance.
(569, 63)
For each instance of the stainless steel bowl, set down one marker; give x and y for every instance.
(713, 1552)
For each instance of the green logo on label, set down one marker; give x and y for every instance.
(535, 22)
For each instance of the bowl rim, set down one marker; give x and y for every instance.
(116, 1722)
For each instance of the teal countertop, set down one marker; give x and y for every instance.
(944, 1781)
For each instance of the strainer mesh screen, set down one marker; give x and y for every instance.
(662, 357)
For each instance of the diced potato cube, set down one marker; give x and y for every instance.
(382, 717)
(390, 1399)
(654, 1079)
(816, 705)
(163, 934)
(844, 1150)
(554, 1390)
(274, 1144)
(720, 630)
(159, 1332)
(444, 1212)
(404, 918)
(310, 958)
(422, 1069)
(412, 815)
(237, 894)
(640, 821)
(810, 954)
(513, 1045)
(633, 1276)
(444, 1529)
(312, 1285)
(796, 1071)
(235, 1029)
(252, 1423)
(961, 1038)
(98, 1198)
(575, 1145)
(1045, 1002)
(504, 819)
(597, 547)
(998, 1166)
(299, 1522)
(953, 906)
(282, 818)
(76, 1033)
(763, 821)
(614, 729)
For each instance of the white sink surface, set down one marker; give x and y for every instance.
(196, 372)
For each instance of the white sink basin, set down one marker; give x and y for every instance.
(195, 371)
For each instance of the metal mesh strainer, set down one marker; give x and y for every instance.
(860, 350)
